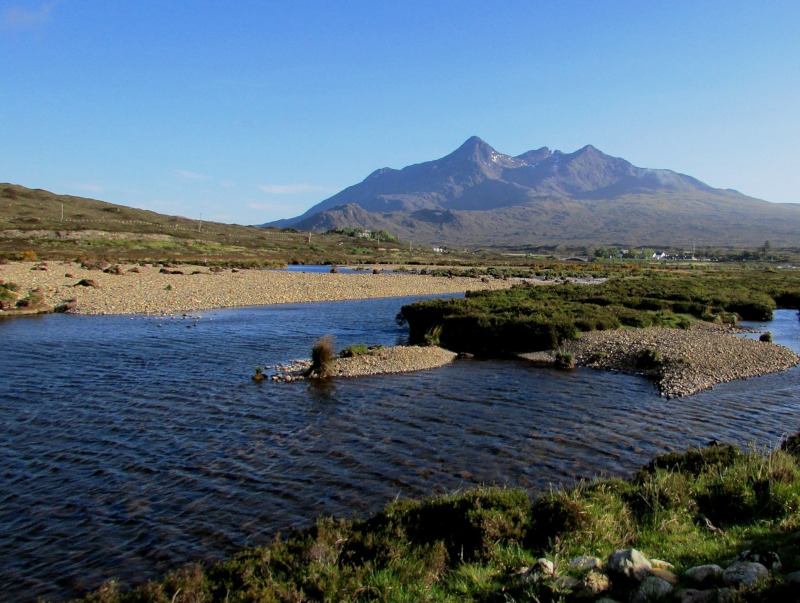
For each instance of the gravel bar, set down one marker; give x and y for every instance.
(688, 361)
(134, 289)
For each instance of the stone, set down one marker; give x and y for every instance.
(793, 579)
(592, 584)
(660, 564)
(585, 563)
(768, 559)
(665, 575)
(704, 574)
(691, 595)
(652, 588)
(629, 564)
(745, 573)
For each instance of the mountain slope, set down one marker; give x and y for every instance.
(478, 196)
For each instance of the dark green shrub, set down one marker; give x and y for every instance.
(564, 361)
(554, 514)
(694, 461)
(357, 349)
(766, 337)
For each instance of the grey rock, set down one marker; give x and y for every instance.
(691, 595)
(704, 574)
(652, 589)
(745, 573)
(585, 563)
(793, 578)
(629, 564)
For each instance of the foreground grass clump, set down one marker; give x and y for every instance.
(702, 506)
(536, 317)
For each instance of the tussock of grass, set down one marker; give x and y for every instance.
(322, 357)
(702, 506)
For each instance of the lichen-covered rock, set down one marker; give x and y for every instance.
(629, 564)
(592, 584)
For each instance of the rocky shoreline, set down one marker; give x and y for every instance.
(681, 362)
(159, 289)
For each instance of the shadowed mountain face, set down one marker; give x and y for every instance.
(477, 196)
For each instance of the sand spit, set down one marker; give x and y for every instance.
(134, 289)
(687, 361)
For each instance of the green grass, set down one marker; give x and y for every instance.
(702, 506)
(33, 226)
(535, 317)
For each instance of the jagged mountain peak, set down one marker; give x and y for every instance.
(540, 195)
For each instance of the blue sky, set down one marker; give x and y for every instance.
(250, 111)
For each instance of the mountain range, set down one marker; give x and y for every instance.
(476, 196)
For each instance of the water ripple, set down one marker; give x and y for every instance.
(132, 446)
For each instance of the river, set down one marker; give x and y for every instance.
(134, 445)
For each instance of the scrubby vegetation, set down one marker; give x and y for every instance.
(703, 506)
(536, 317)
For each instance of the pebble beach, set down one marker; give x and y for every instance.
(157, 290)
(690, 361)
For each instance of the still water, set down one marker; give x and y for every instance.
(133, 445)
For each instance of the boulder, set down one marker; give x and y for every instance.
(745, 573)
(629, 564)
(652, 588)
(704, 575)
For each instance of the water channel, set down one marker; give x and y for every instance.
(134, 445)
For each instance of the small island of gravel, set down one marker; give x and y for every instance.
(681, 361)
(379, 361)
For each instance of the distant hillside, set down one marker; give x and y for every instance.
(478, 197)
(64, 226)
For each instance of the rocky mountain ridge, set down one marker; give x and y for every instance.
(478, 196)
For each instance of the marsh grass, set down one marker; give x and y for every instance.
(527, 318)
(702, 506)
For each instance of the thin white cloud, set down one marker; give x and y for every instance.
(291, 189)
(189, 175)
(19, 18)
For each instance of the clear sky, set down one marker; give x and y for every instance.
(248, 111)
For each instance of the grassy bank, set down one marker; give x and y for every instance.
(702, 506)
(534, 317)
